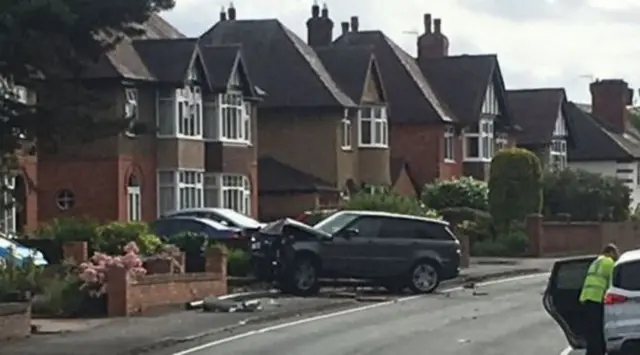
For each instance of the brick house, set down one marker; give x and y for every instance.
(541, 115)
(447, 114)
(603, 139)
(322, 125)
(200, 106)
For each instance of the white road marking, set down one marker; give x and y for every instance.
(342, 313)
(567, 351)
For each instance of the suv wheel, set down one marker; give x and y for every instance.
(424, 277)
(303, 277)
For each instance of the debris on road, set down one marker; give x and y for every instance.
(213, 304)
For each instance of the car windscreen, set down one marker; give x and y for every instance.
(335, 222)
(627, 276)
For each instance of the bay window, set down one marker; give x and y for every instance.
(449, 144)
(179, 189)
(180, 112)
(228, 191)
(228, 119)
(558, 152)
(7, 206)
(479, 141)
(373, 128)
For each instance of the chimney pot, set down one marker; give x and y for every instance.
(345, 27)
(427, 23)
(231, 12)
(325, 11)
(223, 14)
(437, 26)
(355, 24)
(315, 10)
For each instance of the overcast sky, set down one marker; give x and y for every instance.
(540, 43)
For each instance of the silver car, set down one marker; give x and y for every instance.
(622, 302)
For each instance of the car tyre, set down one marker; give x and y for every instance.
(424, 277)
(302, 278)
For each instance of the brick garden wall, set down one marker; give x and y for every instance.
(579, 238)
(15, 321)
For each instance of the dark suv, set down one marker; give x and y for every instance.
(397, 251)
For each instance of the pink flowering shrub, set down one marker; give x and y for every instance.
(93, 273)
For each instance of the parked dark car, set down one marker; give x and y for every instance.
(397, 251)
(224, 216)
(167, 227)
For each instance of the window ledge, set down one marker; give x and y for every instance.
(449, 161)
(178, 136)
(477, 160)
(347, 149)
(373, 146)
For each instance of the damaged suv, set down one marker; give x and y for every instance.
(397, 251)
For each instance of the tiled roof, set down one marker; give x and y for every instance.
(280, 63)
(462, 81)
(275, 176)
(220, 62)
(349, 66)
(167, 60)
(409, 96)
(536, 111)
(593, 142)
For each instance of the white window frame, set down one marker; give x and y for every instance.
(346, 134)
(558, 149)
(134, 202)
(8, 214)
(131, 111)
(376, 117)
(449, 144)
(233, 119)
(228, 191)
(186, 121)
(501, 143)
(485, 137)
(186, 188)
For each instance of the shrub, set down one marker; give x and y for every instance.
(112, 237)
(193, 245)
(457, 215)
(93, 273)
(16, 281)
(238, 263)
(585, 196)
(388, 202)
(462, 192)
(515, 186)
(70, 230)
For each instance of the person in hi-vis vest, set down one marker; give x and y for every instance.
(592, 295)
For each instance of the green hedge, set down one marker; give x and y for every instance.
(389, 202)
(515, 187)
(463, 192)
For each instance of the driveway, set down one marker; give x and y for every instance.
(500, 318)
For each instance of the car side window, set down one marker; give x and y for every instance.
(191, 227)
(368, 227)
(434, 231)
(399, 228)
(570, 275)
(162, 227)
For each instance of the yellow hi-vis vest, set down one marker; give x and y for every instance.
(597, 280)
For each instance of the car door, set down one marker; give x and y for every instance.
(352, 255)
(622, 304)
(561, 298)
(392, 250)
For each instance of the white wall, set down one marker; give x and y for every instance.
(628, 172)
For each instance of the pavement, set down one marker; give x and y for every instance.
(147, 334)
(501, 318)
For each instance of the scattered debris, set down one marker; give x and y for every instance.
(216, 305)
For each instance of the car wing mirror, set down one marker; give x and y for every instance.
(349, 233)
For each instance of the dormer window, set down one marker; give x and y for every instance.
(558, 152)
(373, 131)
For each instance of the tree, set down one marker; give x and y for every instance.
(515, 186)
(47, 46)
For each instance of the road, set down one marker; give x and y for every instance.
(504, 317)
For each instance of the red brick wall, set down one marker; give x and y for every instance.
(403, 185)
(15, 321)
(29, 166)
(422, 146)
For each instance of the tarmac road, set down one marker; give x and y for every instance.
(499, 318)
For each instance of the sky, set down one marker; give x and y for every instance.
(539, 43)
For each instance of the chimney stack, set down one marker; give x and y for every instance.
(355, 24)
(437, 26)
(231, 12)
(427, 23)
(609, 101)
(223, 14)
(345, 27)
(319, 27)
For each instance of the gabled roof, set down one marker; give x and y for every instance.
(167, 60)
(221, 62)
(280, 63)
(536, 111)
(275, 176)
(123, 61)
(349, 66)
(593, 142)
(462, 82)
(409, 95)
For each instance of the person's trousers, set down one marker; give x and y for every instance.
(594, 328)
